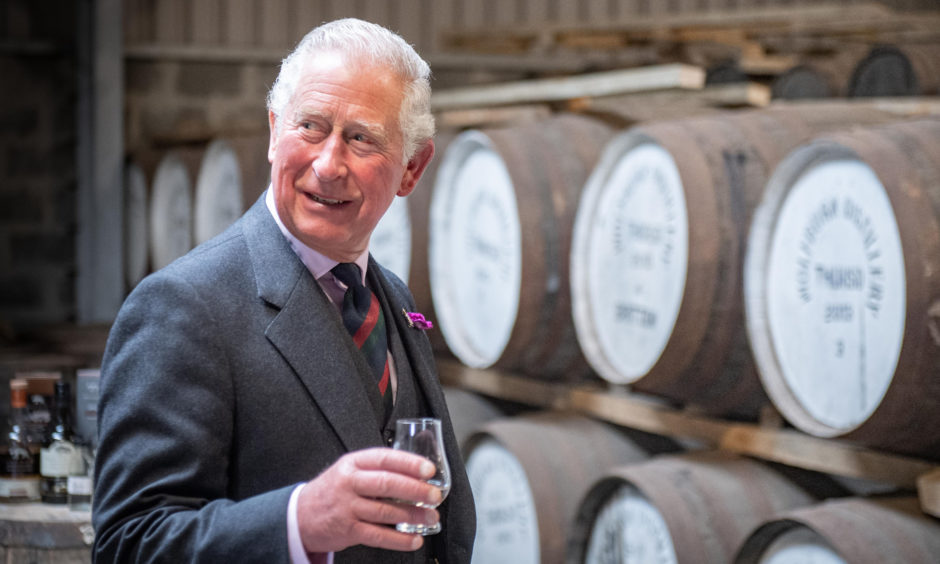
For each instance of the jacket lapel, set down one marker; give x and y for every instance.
(308, 332)
(412, 348)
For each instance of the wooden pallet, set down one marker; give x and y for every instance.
(765, 440)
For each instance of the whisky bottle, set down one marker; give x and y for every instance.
(59, 457)
(19, 479)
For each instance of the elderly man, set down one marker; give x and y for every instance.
(245, 413)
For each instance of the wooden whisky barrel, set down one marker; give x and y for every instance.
(171, 211)
(658, 247)
(419, 208)
(135, 229)
(803, 81)
(469, 412)
(842, 281)
(846, 531)
(528, 474)
(400, 240)
(818, 77)
(218, 193)
(727, 71)
(897, 70)
(251, 152)
(696, 507)
(500, 224)
(391, 243)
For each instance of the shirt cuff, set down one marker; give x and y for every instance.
(296, 546)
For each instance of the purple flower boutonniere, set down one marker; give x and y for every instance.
(417, 321)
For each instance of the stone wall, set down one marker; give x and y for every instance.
(38, 177)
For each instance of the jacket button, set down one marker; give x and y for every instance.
(389, 438)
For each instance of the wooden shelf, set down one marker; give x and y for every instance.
(786, 446)
(38, 532)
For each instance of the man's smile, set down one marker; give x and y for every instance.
(326, 201)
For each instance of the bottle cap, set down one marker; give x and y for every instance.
(17, 393)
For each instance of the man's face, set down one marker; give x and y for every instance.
(336, 155)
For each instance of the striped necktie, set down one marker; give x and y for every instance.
(363, 318)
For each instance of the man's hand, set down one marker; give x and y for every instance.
(348, 503)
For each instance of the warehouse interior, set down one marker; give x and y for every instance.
(133, 130)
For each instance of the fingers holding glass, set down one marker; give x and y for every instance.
(423, 436)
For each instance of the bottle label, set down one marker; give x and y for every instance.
(61, 458)
(19, 488)
(18, 463)
(79, 485)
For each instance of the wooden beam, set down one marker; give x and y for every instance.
(568, 63)
(502, 385)
(617, 405)
(903, 106)
(744, 95)
(478, 117)
(563, 63)
(824, 455)
(204, 53)
(928, 491)
(738, 95)
(603, 40)
(647, 415)
(660, 77)
(488, 43)
(766, 65)
(626, 110)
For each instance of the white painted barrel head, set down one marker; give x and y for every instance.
(136, 245)
(475, 256)
(507, 522)
(218, 191)
(629, 529)
(390, 244)
(800, 545)
(171, 212)
(629, 258)
(825, 290)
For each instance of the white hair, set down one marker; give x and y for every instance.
(363, 41)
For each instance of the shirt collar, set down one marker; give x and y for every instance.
(317, 263)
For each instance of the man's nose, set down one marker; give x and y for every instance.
(330, 162)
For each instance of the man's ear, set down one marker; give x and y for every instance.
(272, 141)
(416, 167)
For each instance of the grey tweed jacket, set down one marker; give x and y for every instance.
(228, 379)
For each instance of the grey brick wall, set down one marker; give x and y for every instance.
(37, 162)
